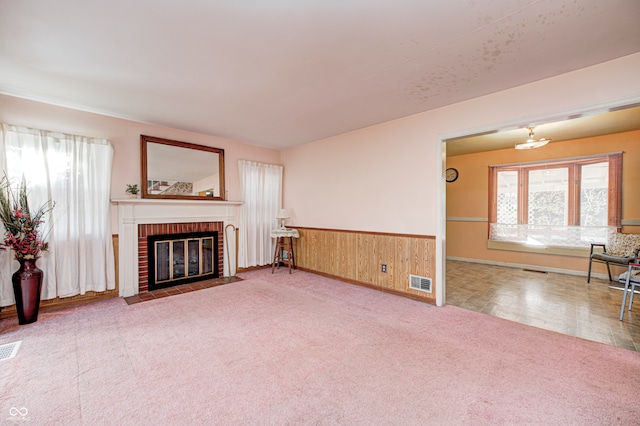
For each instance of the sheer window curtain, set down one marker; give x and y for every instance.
(75, 173)
(261, 192)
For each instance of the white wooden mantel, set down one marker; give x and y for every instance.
(133, 212)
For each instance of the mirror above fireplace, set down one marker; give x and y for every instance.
(180, 170)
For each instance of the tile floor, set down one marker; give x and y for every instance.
(558, 302)
(178, 289)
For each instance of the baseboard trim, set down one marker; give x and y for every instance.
(430, 301)
(532, 267)
(59, 303)
(252, 268)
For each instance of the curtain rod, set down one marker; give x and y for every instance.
(553, 160)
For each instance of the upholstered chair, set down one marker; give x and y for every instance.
(621, 249)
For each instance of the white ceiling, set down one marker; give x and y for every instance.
(282, 73)
(177, 164)
(620, 120)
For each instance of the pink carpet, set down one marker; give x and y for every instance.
(301, 349)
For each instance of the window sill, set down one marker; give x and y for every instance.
(552, 250)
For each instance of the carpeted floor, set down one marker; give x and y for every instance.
(301, 349)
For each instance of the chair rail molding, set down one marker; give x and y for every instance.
(467, 219)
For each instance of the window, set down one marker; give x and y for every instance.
(567, 202)
(74, 172)
(261, 192)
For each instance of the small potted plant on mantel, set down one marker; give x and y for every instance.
(132, 190)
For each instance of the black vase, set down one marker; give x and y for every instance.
(27, 284)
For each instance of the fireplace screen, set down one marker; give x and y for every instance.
(178, 259)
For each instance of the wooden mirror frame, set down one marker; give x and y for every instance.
(144, 167)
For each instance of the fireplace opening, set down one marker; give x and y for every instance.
(176, 259)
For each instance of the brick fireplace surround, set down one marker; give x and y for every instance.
(149, 230)
(141, 218)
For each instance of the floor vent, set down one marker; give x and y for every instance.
(420, 283)
(9, 350)
(535, 270)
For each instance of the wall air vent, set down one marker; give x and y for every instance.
(420, 283)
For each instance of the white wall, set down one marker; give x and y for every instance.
(384, 178)
(388, 177)
(207, 183)
(125, 138)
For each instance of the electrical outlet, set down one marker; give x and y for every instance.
(384, 267)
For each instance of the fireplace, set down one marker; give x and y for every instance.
(139, 219)
(170, 254)
(182, 258)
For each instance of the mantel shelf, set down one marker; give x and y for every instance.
(171, 201)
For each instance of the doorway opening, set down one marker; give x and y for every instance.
(507, 282)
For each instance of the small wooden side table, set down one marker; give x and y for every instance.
(284, 240)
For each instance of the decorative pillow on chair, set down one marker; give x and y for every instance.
(635, 276)
(624, 245)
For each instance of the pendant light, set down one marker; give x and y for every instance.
(531, 142)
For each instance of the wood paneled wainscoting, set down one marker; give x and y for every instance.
(357, 257)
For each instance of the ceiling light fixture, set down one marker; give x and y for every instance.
(531, 142)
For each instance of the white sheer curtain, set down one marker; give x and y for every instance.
(75, 173)
(261, 191)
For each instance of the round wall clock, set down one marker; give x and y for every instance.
(451, 174)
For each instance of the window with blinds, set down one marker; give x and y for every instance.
(564, 202)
